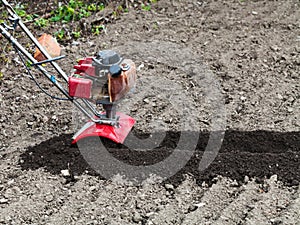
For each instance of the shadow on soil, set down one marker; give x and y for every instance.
(258, 154)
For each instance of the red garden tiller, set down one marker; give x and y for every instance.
(100, 80)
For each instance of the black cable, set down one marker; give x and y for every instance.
(35, 81)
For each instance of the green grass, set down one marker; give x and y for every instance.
(71, 11)
(146, 7)
(74, 11)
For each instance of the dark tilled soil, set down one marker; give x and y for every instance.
(249, 48)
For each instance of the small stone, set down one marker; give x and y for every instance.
(150, 214)
(92, 188)
(65, 173)
(137, 218)
(274, 48)
(140, 67)
(204, 185)
(29, 123)
(75, 43)
(254, 13)
(192, 208)
(246, 179)
(184, 40)
(275, 221)
(10, 182)
(45, 119)
(273, 178)
(279, 96)
(234, 184)
(290, 109)
(3, 201)
(251, 206)
(243, 98)
(169, 186)
(91, 43)
(294, 74)
(199, 205)
(146, 100)
(49, 198)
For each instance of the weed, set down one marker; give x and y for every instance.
(74, 11)
(146, 7)
(76, 34)
(4, 15)
(60, 34)
(155, 26)
(41, 22)
(92, 7)
(97, 29)
(101, 7)
(20, 10)
(28, 64)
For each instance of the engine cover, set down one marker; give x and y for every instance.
(105, 78)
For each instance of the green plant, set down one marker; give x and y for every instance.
(28, 64)
(60, 34)
(76, 34)
(146, 7)
(20, 10)
(41, 22)
(29, 17)
(74, 11)
(97, 29)
(92, 7)
(101, 7)
(155, 26)
(4, 15)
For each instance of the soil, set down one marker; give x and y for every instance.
(184, 51)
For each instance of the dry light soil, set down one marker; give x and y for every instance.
(193, 58)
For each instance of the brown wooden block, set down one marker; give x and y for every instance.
(50, 45)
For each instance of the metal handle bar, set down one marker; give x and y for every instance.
(48, 60)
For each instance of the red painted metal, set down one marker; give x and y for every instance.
(114, 133)
(80, 87)
(85, 66)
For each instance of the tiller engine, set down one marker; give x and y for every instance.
(104, 80)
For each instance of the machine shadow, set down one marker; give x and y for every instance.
(256, 154)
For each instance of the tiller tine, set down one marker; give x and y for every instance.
(117, 133)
